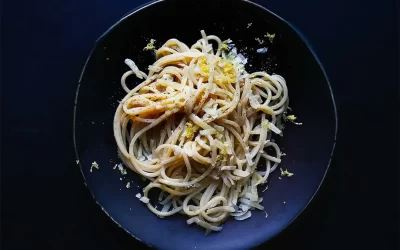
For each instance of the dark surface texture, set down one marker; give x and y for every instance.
(309, 147)
(44, 203)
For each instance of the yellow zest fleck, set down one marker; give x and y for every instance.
(224, 45)
(189, 131)
(265, 124)
(204, 66)
(223, 157)
(122, 170)
(94, 165)
(228, 73)
(271, 37)
(223, 153)
(286, 173)
(291, 118)
(150, 45)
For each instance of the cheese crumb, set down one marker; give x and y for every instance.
(122, 169)
(266, 215)
(144, 199)
(262, 50)
(128, 185)
(115, 166)
(260, 41)
(77, 161)
(249, 24)
(138, 195)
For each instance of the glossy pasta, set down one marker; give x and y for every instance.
(197, 127)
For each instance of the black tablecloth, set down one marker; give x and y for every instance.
(44, 203)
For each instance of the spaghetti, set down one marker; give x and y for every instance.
(197, 128)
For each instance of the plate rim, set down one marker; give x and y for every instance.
(301, 36)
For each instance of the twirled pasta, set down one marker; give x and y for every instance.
(197, 127)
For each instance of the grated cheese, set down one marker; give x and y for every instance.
(122, 170)
(144, 200)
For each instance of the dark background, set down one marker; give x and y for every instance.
(44, 203)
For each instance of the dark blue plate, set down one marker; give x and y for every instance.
(309, 147)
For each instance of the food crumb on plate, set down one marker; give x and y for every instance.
(270, 37)
(94, 165)
(260, 41)
(286, 173)
(262, 50)
(292, 119)
(144, 199)
(122, 169)
(77, 161)
(150, 45)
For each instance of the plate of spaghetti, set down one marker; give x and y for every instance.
(186, 137)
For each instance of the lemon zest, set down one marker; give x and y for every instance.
(150, 45)
(271, 37)
(286, 173)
